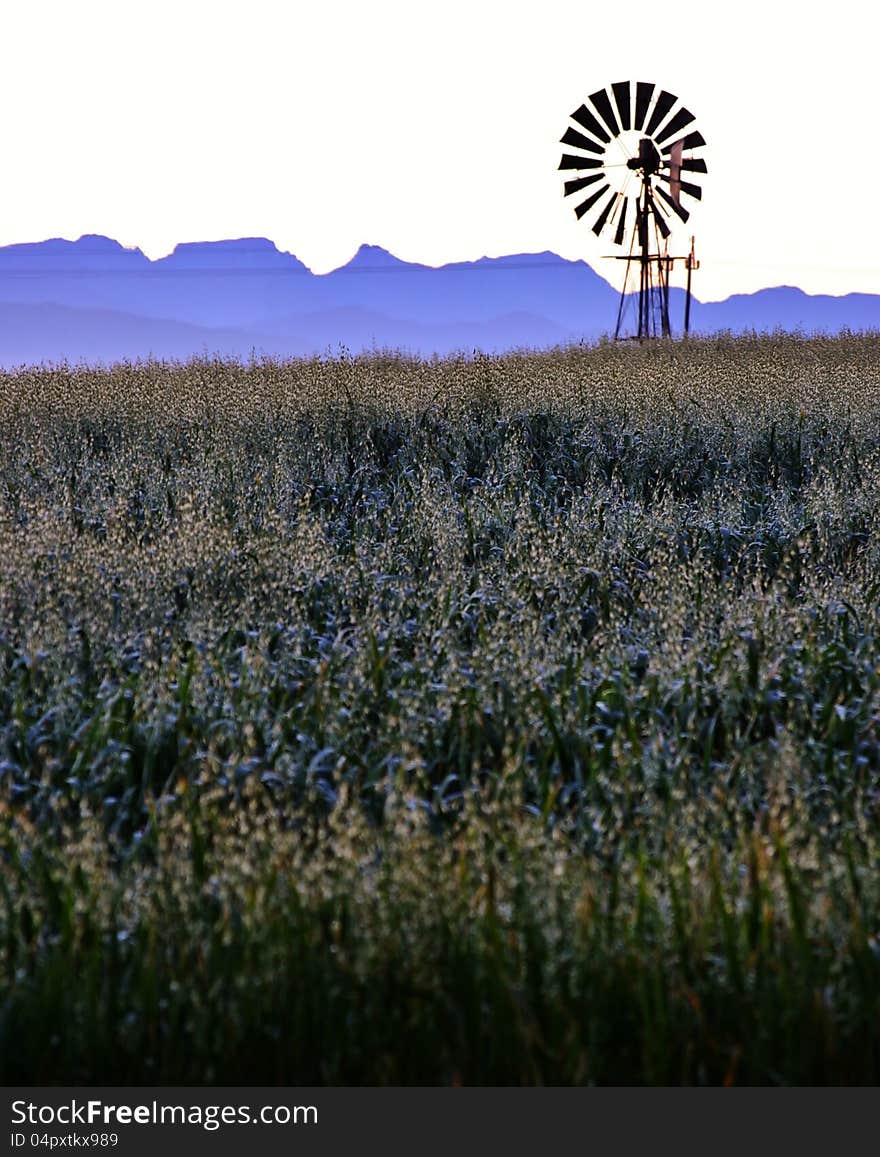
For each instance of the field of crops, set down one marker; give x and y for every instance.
(490, 721)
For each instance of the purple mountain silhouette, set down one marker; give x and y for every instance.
(32, 334)
(785, 307)
(94, 300)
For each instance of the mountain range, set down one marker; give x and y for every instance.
(93, 300)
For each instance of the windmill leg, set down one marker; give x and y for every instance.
(621, 304)
(645, 284)
(666, 326)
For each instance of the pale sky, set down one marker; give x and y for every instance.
(432, 129)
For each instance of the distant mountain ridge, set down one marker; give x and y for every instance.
(95, 300)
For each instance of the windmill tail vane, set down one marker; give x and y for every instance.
(627, 155)
(675, 172)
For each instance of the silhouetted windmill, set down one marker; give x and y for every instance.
(630, 150)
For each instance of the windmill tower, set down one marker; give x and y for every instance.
(632, 146)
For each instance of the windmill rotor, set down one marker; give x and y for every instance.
(627, 148)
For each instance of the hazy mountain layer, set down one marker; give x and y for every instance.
(95, 300)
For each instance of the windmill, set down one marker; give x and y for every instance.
(632, 145)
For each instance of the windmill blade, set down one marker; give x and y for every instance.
(586, 206)
(686, 187)
(587, 121)
(621, 222)
(602, 105)
(599, 223)
(694, 164)
(623, 101)
(691, 141)
(679, 209)
(579, 141)
(569, 161)
(644, 92)
(658, 217)
(665, 101)
(682, 117)
(579, 183)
